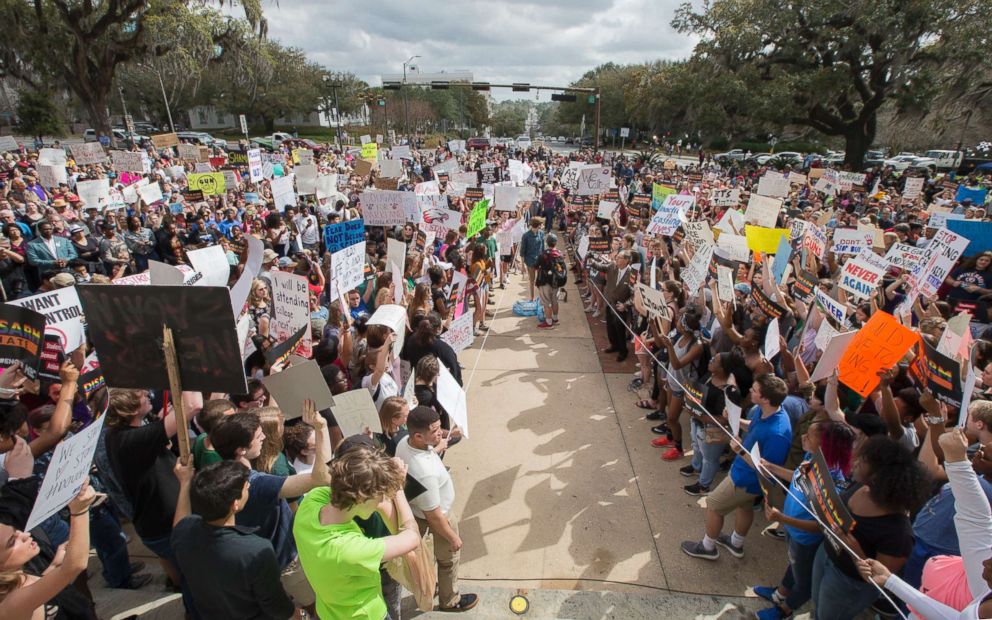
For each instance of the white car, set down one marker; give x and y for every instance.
(561, 138)
(901, 162)
(788, 156)
(945, 160)
(733, 154)
(523, 142)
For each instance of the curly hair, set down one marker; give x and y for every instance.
(361, 474)
(896, 480)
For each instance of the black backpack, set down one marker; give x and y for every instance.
(555, 272)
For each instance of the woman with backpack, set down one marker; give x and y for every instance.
(552, 274)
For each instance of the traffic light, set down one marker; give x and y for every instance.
(480, 86)
(390, 86)
(562, 97)
(439, 85)
(519, 87)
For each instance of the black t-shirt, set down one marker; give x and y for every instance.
(143, 463)
(889, 534)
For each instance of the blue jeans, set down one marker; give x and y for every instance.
(705, 456)
(111, 547)
(798, 579)
(835, 595)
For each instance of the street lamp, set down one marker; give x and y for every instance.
(406, 105)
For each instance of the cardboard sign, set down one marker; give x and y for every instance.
(594, 180)
(903, 255)
(164, 140)
(343, 234)
(291, 309)
(762, 211)
(370, 151)
(210, 183)
(862, 274)
(94, 194)
(63, 315)
(66, 473)
(937, 261)
(879, 344)
(852, 241)
(477, 219)
(22, 333)
(725, 283)
(355, 411)
(386, 208)
(726, 197)
(735, 246)
(695, 272)
(764, 240)
(815, 241)
(669, 216)
(977, 232)
(125, 325)
(833, 351)
(128, 161)
(297, 383)
(913, 187)
(451, 396)
(150, 193)
(830, 307)
(460, 334)
(210, 261)
(653, 301)
(348, 267)
(698, 234)
(774, 185)
(88, 153)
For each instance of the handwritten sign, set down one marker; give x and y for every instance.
(762, 211)
(881, 343)
(861, 275)
(88, 153)
(764, 240)
(593, 181)
(355, 411)
(852, 241)
(165, 140)
(460, 335)
(348, 267)
(386, 208)
(343, 234)
(937, 261)
(726, 197)
(291, 309)
(477, 219)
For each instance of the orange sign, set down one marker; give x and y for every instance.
(881, 343)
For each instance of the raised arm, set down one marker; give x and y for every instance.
(62, 418)
(298, 484)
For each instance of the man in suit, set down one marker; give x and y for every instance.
(618, 294)
(48, 252)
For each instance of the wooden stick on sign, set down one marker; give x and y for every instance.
(176, 392)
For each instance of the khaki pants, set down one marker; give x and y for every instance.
(447, 564)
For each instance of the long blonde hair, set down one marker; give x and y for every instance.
(10, 580)
(272, 426)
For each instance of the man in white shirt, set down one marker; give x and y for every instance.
(432, 507)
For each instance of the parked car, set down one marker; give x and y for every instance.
(201, 138)
(874, 158)
(523, 142)
(945, 160)
(140, 127)
(587, 141)
(791, 157)
(900, 162)
(834, 158)
(560, 139)
(478, 143)
(731, 155)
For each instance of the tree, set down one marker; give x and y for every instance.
(38, 114)
(79, 45)
(614, 82)
(509, 118)
(833, 64)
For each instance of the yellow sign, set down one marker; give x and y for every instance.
(659, 191)
(210, 183)
(761, 239)
(370, 151)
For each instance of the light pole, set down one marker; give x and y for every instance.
(406, 105)
(334, 84)
(165, 98)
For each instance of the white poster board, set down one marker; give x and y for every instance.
(291, 309)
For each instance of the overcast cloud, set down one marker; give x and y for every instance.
(549, 42)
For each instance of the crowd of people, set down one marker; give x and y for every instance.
(279, 514)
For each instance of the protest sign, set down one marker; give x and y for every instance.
(879, 344)
(451, 396)
(125, 324)
(255, 165)
(832, 353)
(343, 234)
(150, 193)
(695, 272)
(766, 304)
(939, 373)
(390, 168)
(505, 198)
(63, 315)
(355, 411)
(594, 180)
(660, 192)
(670, 215)
(52, 176)
(824, 334)
(386, 208)
(370, 151)
(804, 285)
(297, 383)
(348, 266)
(396, 255)
(164, 140)
(762, 211)
(852, 240)
(725, 283)
(52, 157)
(68, 469)
(818, 487)
(698, 234)
(815, 241)
(279, 353)
(764, 240)
(440, 221)
(828, 183)
(979, 234)
(938, 259)
(782, 255)
(161, 274)
(190, 152)
(606, 209)
(22, 333)
(774, 185)
(736, 246)
(291, 309)
(654, 302)
(8, 143)
(210, 183)
(975, 194)
(88, 153)
(903, 255)
(477, 219)
(253, 263)
(797, 230)
(862, 274)
(306, 179)
(94, 194)
(460, 335)
(913, 187)
(848, 180)
(127, 161)
(725, 197)
(210, 261)
(832, 308)
(283, 191)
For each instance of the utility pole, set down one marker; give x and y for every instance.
(596, 94)
(406, 102)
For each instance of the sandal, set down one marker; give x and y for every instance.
(646, 404)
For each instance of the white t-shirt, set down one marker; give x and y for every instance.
(311, 235)
(425, 467)
(387, 387)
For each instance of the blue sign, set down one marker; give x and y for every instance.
(976, 194)
(978, 232)
(343, 234)
(782, 256)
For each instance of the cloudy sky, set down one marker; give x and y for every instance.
(551, 42)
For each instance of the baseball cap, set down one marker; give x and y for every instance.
(75, 228)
